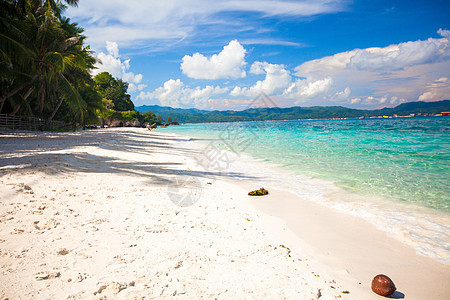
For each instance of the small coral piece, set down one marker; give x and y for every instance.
(260, 192)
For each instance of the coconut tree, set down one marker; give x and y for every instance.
(20, 8)
(43, 62)
(16, 58)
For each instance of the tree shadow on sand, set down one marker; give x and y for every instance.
(63, 153)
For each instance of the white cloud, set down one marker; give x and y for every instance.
(257, 68)
(170, 94)
(112, 48)
(370, 78)
(175, 94)
(343, 95)
(277, 78)
(326, 65)
(396, 101)
(397, 57)
(393, 57)
(278, 82)
(135, 87)
(304, 89)
(445, 33)
(440, 81)
(229, 63)
(130, 76)
(355, 100)
(109, 64)
(113, 64)
(370, 101)
(437, 90)
(405, 71)
(378, 102)
(136, 22)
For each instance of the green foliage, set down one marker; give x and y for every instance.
(107, 104)
(93, 101)
(114, 89)
(111, 114)
(148, 117)
(129, 115)
(116, 103)
(44, 66)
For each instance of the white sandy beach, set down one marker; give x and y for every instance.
(106, 214)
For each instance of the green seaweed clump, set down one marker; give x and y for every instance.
(260, 192)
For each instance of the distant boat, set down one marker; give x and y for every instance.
(362, 117)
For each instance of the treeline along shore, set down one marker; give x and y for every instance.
(46, 71)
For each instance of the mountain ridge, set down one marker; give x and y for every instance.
(193, 115)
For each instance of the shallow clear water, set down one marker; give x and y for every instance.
(404, 159)
(393, 173)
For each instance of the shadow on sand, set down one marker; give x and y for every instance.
(59, 153)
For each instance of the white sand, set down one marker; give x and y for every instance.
(92, 215)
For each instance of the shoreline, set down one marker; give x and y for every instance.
(425, 229)
(349, 246)
(105, 197)
(354, 250)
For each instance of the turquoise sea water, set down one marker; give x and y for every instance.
(400, 159)
(394, 173)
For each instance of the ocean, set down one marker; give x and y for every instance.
(394, 172)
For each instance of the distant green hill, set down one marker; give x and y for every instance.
(417, 107)
(291, 113)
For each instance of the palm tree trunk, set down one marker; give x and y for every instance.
(2, 101)
(54, 112)
(42, 96)
(16, 110)
(25, 97)
(15, 91)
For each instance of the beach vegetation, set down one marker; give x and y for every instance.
(116, 102)
(114, 90)
(44, 64)
(149, 117)
(45, 68)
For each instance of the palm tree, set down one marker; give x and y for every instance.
(43, 62)
(18, 8)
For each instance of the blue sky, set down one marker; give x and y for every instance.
(222, 54)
